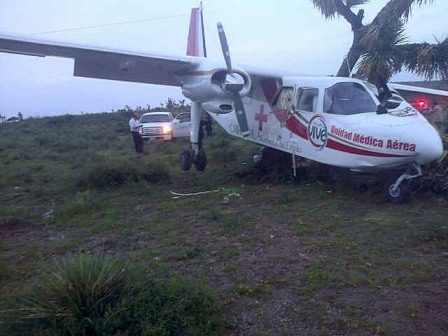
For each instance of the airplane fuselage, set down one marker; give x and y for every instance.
(345, 137)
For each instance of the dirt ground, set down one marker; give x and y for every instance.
(295, 262)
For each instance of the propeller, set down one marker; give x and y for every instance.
(233, 84)
(225, 47)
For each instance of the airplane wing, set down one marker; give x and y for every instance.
(102, 63)
(414, 94)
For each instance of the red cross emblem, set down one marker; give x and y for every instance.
(261, 118)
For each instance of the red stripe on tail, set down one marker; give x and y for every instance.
(196, 41)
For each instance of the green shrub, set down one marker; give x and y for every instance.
(153, 173)
(115, 173)
(102, 175)
(171, 307)
(97, 295)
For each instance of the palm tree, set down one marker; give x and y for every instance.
(380, 47)
(385, 53)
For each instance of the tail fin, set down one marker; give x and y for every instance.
(196, 36)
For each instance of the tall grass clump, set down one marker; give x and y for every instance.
(77, 297)
(98, 295)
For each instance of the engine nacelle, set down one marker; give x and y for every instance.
(215, 89)
(219, 107)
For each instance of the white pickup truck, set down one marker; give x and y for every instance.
(165, 125)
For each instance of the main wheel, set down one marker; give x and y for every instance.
(186, 159)
(200, 160)
(399, 195)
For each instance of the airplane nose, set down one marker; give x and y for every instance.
(430, 147)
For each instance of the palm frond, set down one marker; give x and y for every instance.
(428, 60)
(354, 3)
(433, 60)
(326, 7)
(383, 55)
(332, 8)
(398, 9)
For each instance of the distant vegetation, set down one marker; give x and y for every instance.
(170, 105)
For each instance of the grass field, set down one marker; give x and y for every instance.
(283, 258)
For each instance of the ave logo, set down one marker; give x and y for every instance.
(317, 132)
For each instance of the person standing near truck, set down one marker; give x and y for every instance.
(135, 126)
(208, 125)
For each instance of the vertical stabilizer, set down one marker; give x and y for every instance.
(196, 37)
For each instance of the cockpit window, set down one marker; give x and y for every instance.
(307, 99)
(393, 101)
(348, 98)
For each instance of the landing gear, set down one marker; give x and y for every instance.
(399, 190)
(187, 158)
(195, 155)
(200, 160)
(398, 194)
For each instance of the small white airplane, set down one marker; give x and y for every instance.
(335, 121)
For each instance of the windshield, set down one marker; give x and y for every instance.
(348, 98)
(151, 118)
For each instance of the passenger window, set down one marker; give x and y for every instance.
(307, 99)
(284, 99)
(347, 99)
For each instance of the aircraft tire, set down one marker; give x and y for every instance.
(200, 160)
(186, 160)
(401, 195)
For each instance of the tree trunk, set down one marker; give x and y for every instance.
(355, 52)
(358, 29)
(349, 61)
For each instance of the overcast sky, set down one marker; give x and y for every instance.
(281, 34)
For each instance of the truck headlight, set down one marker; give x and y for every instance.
(167, 129)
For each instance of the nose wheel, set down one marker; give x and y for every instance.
(398, 194)
(399, 190)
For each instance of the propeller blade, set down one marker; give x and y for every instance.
(233, 84)
(241, 115)
(225, 47)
